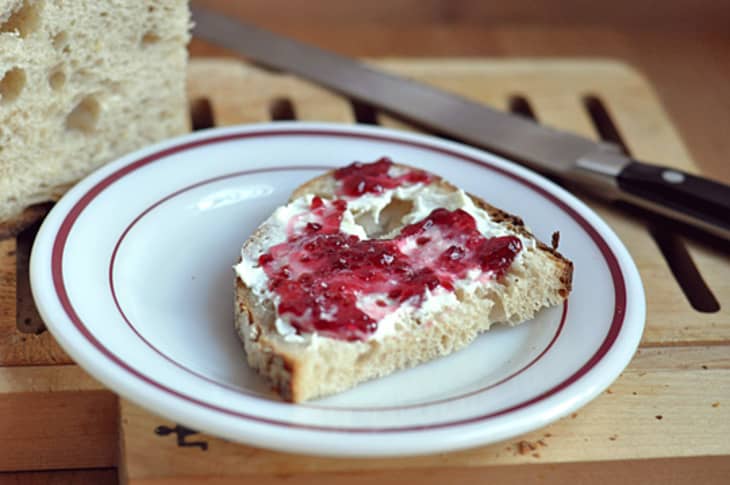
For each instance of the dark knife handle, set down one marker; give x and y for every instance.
(695, 200)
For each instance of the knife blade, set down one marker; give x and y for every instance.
(599, 167)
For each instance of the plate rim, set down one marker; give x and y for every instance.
(585, 217)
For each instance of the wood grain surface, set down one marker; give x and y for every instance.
(55, 416)
(652, 412)
(17, 310)
(104, 476)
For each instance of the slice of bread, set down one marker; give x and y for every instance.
(302, 365)
(81, 83)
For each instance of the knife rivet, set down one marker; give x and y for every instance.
(673, 177)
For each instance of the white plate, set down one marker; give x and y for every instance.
(131, 272)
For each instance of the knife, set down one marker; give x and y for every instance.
(600, 167)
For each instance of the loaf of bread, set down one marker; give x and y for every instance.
(378, 267)
(81, 83)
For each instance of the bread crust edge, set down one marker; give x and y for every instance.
(283, 369)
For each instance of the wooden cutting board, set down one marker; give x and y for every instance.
(668, 415)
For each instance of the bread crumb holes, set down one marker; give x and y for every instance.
(445, 342)
(25, 20)
(85, 116)
(150, 38)
(57, 79)
(11, 85)
(60, 40)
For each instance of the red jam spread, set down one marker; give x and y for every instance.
(359, 178)
(326, 217)
(319, 272)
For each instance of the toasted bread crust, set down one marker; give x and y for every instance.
(260, 350)
(296, 371)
